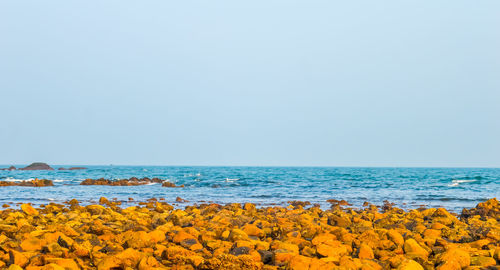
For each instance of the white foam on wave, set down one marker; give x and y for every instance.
(230, 180)
(457, 182)
(12, 179)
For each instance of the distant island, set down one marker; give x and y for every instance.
(40, 166)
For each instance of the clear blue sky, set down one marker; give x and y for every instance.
(280, 82)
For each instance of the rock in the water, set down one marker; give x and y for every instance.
(37, 166)
(28, 183)
(133, 181)
(11, 168)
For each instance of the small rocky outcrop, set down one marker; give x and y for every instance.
(11, 168)
(72, 168)
(28, 183)
(37, 166)
(133, 181)
(170, 184)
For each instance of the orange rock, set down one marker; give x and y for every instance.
(29, 210)
(365, 252)
(410, 265)
(16, 257)
(109, 263)
(299, 262)
(67, 264)
(32, 244)
(458, 255)
(411, 247)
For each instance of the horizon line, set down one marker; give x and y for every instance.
(284, 166)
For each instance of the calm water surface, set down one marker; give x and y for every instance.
(453, 188)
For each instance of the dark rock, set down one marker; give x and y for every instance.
(240, 251)
(11, 168)
(266, 256)
(37, 166)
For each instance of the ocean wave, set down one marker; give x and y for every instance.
(230, 180)
(12, 179)
(457, 182)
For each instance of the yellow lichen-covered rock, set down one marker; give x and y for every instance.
(18, 258)
(365, 252)
(237, 234)
(460, 256)
(67, 264)
(29, 210)
(299, 262)
(14, 267)
(396, 237)
(483, 261)
(152, 235)
(411, 247)
(410, 265)
(109, 263)
(32, 244)
(449, 265)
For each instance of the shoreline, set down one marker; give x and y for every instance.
(155, 235)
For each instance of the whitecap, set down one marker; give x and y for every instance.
(12, 179)
(457, 182)
(463, 181)
(230, 180)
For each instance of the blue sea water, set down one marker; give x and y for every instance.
(453, 188)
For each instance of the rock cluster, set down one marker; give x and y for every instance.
(28, 183)
(154, 235)
(133, 181)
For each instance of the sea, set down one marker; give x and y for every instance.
(407, 188)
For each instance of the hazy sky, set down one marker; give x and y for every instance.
(279, 82)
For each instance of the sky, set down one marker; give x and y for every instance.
(257, 83)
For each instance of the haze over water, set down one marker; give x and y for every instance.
(453, 188)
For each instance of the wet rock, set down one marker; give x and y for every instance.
(29, 183)
(133, 181)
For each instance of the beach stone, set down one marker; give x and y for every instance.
(237, 234)
(365, 252)
(483, 261)
(29, 210)
(32, 244)
(18, 258)
(411, 247)
(410, 265)
(299, 262)
(460, 256)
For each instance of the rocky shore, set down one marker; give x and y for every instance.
(154, 235)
